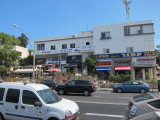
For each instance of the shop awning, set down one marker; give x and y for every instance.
(24, 71)
(122, 68)
(103, 68)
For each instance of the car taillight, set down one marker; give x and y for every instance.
(56, 83)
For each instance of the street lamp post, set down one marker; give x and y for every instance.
(33, 77)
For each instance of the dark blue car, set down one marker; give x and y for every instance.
(132, 86)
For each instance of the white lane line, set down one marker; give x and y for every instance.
(125, 97)
(104, 115)
(101, 103)
(97, 96)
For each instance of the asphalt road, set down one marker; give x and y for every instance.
(102, 105)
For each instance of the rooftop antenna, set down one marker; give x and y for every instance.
(127, 4)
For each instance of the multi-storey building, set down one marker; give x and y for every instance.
(124, 48)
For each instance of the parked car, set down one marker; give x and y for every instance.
(51, 83)
(142, 104)
(148, 116)
(76, 86)
(30, 101)
(132, 86)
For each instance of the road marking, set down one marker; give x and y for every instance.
(104, 115)
(101, 103)
(97, 96)
(125, 97)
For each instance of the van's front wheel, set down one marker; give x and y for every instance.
(1, 117)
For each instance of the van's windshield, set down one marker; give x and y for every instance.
(49, 96)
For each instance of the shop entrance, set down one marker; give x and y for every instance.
(103, 75)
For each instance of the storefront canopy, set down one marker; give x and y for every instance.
(24, 71)
(103, 68)
(122, 68)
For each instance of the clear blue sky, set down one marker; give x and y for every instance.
(48, 18)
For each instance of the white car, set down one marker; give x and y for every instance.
(31, 101)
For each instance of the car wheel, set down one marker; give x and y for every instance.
(61, 92)
(119, 90)
(1, 117)
(142, 90)
(86, 93)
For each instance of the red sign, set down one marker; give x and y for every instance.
(104, 63)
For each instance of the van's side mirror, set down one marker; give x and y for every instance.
(38, 104)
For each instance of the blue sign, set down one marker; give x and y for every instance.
(125, 55)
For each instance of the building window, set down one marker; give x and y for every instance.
(72, 45)
(87, 43)
(105, 50)
(129, 49)
(64, 46)
(53, 47)
(40, 46)
(105, 35)
(138, 29)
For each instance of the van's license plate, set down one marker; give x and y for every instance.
(77, 118)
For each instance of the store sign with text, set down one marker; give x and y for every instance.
(144, 61)
(125, 55)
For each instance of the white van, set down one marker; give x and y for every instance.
(31, 101)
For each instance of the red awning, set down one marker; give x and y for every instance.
(122, 68)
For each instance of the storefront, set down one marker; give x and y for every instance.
(103, 69)
(144, 68)
(74, 63)
(140, 65)
(122, 67)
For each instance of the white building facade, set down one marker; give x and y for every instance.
(124, 48)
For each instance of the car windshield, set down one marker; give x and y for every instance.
(49, 96)
(140, 98)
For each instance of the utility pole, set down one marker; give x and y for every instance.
(33, 76)
(127, 4)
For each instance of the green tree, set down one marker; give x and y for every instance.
(28, 60)
(23, 40)
(8, 39)
(8, 56)
(158, 54)
(91, 62)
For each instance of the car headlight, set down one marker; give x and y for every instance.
(68, 114)
(133, 110)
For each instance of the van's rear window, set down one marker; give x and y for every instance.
(140, 98)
